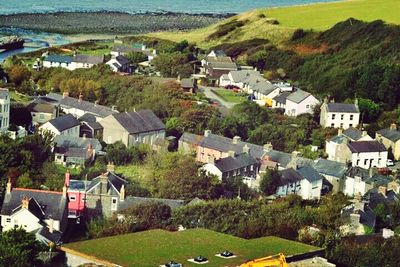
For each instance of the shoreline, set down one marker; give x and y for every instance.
(109, 22)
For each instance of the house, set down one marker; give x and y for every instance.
(357, 182)
(382, 195)
(264, 93)
(390, 138)
(337, 147)
(368, 154)
(72, 62)
(216, 64)
(90, 127)
(339, 115)
(122, 50)
(300, 102)
(4, 110)
(304, 181)
(359, 218)
(279, 101)
(75, 151)
(120, 64)
(78, 106)
(189, 85)
(41, 212)
(334, 172)
(41, 112)
(235, 165)
(240, 78)
(132, 128)
(64, 125)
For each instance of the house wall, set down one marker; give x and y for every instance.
(69, 66)
(354, 185)
(390, 144)
(74, 131)
(311, 190)
(290, 188)
(212, 169)
(203, 153)
(50, 128)
(338, 152)
(145, 138)
(100, 204)
(339, 120)
(305, 106)
(76, 204)
(24, 218)
(41, 117)
(4, 113)
(369, 160)
(113, 131)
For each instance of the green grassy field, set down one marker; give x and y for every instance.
(229, 96)
(155, 247)
(317, 17)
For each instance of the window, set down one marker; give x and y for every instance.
(251, 168)
(350, 125)
(341, 125)
(72, 198)
(351, 117)
(342, 117)
(114, 203)
(307, 106)
(332, 125)
(365, 162)
(8, 220)
(333, 116)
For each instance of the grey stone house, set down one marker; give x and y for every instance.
(132, 128)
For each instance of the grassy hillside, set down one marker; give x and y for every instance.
(155, 247)
(260, 23)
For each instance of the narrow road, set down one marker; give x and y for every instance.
(209, 94)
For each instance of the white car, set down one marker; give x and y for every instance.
(389, 162)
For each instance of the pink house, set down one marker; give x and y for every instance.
(76, 196)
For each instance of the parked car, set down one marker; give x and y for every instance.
(389, 162)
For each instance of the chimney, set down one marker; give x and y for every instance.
(110, 167)
(25, 202)
(9, 186)
(51, 225)
(340, 131)
(154, 52)
(364, 133)
(246, 149)
(67, 178)
(268, 147)
(211, 159)
(80, 97)
(231, 153)
(354, 218)
(382, 190)
(359, 205)
(326, 100)
(207, 133)
(65, 191)
(393, 185)
(90, 151)
(122, 193)
(113, 108)
(393, 126)
(96, 102)
(65, 95)
(236, 140)
(104, 183)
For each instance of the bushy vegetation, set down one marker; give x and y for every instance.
(226, 28)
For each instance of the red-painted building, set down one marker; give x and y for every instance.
(76, 196)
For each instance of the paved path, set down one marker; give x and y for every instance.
(211, 95)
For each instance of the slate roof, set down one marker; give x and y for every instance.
(77, 142)
(124, 49)
(139, 121)
(367, 216)
(91, 121)
(281, 98)
(234, 163)
(54, 237)
(331, 168)
(244, 75)
(59, 58)
(353, 133)
(114, 183)
(298, 96)
(53, 204)
(221, 65)
(309, 173)
(289, 176)
(40, 107)
(366, 146)
(3, 92)
(88, 107)
(375, 198)
(122, 60)
(73, 152)
(358, 172)
(342, 108)
(88, 59)
(64, 122)
(264, 88)
(132, 201)
(392, 135)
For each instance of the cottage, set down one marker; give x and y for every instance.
(90, 127)
(64, 125)
(279, 101)
(4, 110)
(300, 102)
(360, 218)
(390, 138)
(241, 78)
(339, 115)
(216, 64)
(41, 212)
(357, 182)
(334, 172)
(123, 50)
(72, 62)
(120, 64)
(132, 128)
(368, 154)
(41, 112)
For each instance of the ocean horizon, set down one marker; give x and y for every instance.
(135, 6)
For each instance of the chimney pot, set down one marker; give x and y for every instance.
(246, 149)
(364, 133)
(393, 126)
(110, 167)
(25, 202)
(207, 133)
(231, 153)
(51, 225)
(268, 147)
(65, 94)
(9, 186)
(236, 140)
(67, 178)
(80, 97)
(340, 131)
(122, 193)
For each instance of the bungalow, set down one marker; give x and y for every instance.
(41, 112)
(75, 151)
(368, 154)
(240, 78)
(123, 50)
(41, 212)
(390, 138)
(4, 110)
(339, 115)
(216, 64)
(300, 102)
(64, 125)
(72, 62)
(120, 64)
(132, 128)
(337, 147)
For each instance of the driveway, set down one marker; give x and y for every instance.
(209, 94)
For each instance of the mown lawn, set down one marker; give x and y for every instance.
(155, 247)
(229, 95)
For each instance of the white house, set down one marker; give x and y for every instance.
(357, 182)
(240, 78)
(119, 64)
(304, 181)
(300, 102)
(4, 110)
(72, 62)
(339, 115)
(368, 154)
(64, 125)
(41, 212)
(41, 112)
(122, 50)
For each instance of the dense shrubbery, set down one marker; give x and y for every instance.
(226, 28)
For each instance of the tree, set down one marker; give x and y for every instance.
(19, 74)
(20, 115)
(270, 182)
(136, 57)
(369, 110)
(19, 248)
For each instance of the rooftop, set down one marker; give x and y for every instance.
(139, 121)
(391, 134)
(64, 122)
(342, 108)
(298, 96)
(366, 146)
(234, 163)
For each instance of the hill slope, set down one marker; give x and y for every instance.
(261, 23)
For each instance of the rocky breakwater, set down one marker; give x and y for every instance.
(11, 43)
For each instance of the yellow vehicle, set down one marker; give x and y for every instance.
(271, 261)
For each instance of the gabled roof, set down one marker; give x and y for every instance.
(366, 146)
(309, 173)
(54, 237)
(73, 152)
(329, 167)
(289, 176)
(353, 133)
(375, 197)
(122, 60)
(342, 108)
(114, 183)
(64, 122)
(76, 142)
(219, 65)
(264, 87)
(53, 204)
(40, 107)
(391, 134)
(281, 98)
(139, 121)
(33, 207)
(244, 75)
(367, 216)
(91, 121)
(88, 59)
(298, 96)
(234, 163)
(59, 58)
